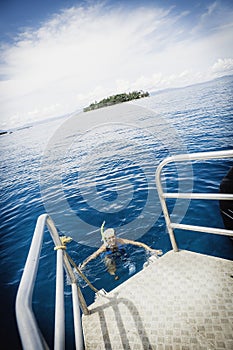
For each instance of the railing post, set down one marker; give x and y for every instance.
(29, 331)
(77, 318)
(163, 196)
(27, 325)
(59, 329)
(79, 299)
(164, 206)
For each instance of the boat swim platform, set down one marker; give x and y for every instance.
(181, 301)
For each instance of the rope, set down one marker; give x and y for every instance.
(59, 247)
(64, 240)
(81, 274)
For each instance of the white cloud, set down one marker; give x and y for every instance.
(223, 66)
(83, 54)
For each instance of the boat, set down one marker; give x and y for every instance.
(182, 300)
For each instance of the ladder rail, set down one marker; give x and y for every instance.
(30, 334)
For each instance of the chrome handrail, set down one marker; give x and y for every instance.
(29, 331)
(217, 196)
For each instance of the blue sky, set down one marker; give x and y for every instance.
(57, 56)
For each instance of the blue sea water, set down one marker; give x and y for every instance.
(107, 173)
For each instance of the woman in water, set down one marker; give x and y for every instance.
(113, 248)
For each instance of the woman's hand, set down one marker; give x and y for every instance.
(81, 266)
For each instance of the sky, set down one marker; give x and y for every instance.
(58, 56)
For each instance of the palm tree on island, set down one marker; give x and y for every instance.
(114, 99)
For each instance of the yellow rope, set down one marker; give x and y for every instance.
(59, 247)
(64, 240)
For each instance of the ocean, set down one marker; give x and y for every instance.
(100, 166)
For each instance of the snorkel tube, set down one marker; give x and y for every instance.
(102, 231)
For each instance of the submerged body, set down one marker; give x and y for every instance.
(112, 248)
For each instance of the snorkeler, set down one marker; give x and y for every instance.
(113, 248)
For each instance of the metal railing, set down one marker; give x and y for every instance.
(163, 196)
(29, 331)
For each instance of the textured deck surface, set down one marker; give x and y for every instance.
(181, 301)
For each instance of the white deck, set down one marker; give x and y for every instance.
(181, 301)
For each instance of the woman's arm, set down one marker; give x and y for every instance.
(93, 256)
(139, 244)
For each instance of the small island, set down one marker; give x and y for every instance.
(114, 99)
(3, 132)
